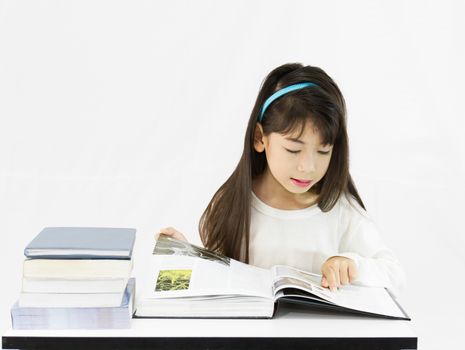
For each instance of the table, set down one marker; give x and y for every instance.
(291, 328)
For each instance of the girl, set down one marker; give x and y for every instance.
(291, 199)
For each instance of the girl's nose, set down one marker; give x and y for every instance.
(306, 165)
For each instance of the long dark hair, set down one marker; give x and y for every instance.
(224, 226)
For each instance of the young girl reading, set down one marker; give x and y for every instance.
(291, 199)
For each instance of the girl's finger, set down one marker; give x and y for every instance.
(168, 231)
(324, 282)
(352, 272)
(338, 277)
(335, 265)
(173, 233)
(344, 273)
(330, 276)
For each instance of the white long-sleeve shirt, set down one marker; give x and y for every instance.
(306, 238)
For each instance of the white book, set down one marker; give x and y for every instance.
(79, 285)
(76, 317)
(184, 280)
(77, 268)
(69, 299)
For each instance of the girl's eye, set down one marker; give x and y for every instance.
(293, 152)
(323, 152)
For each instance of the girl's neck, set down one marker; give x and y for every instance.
(272, 193)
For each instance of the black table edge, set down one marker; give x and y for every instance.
(211, 343)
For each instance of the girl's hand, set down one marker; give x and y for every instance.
(337, 271)
(172, 232)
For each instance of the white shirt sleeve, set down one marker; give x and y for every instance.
(376, 263)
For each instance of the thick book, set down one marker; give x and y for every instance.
(58, 299)
(73, 285)
(74, 282)
(77, 268)
(76, 317)
(75, 275)
(82, 243)
(184, 280)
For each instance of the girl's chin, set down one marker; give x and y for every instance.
(297, 190)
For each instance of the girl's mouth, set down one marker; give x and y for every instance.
(301, 183)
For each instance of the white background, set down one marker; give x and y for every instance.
(132, 114)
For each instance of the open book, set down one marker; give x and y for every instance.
(184, 280)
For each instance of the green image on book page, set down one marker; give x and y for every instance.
(173, 280)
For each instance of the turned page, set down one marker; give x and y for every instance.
(289, 277)
(361, 298)
(180, 269)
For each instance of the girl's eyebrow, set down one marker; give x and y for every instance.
(295, 140)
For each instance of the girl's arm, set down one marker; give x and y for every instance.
(376, 264)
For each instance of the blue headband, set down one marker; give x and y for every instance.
(281, 92)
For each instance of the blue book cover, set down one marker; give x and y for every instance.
(82, 243)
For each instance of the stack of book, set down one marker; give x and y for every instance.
(77, 277)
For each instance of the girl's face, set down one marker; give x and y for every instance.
(295, 164)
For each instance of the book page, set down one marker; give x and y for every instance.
(179, 269)
(289, 277)
(367, 299)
